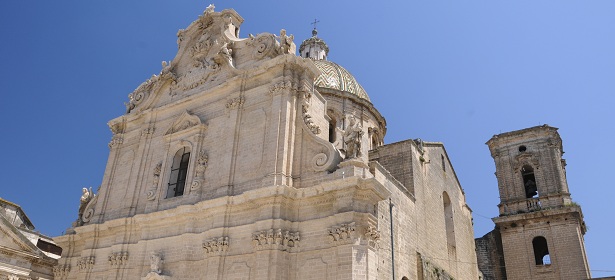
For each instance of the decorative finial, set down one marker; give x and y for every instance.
(315, 32)
(209, 9)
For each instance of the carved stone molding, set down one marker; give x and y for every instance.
(118, 259)
(275, 239)
(280, 86)
(526, 159)
(86, 263)
(60, 271)
(235, 103)
(216, 246)
(148, 131)
(116, 140)
(307, 119)
(342, 234)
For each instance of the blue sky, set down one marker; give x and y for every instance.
(456, 72)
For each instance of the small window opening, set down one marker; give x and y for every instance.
(529, 181)
(449, 222)
(179, 170)
(332, 125)
(541, 251)
(522, 148)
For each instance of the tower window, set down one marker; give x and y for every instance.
(529, 181)
(541, 251)
(522, 148)
(179, 170)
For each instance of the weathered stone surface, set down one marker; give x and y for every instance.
(280, 182)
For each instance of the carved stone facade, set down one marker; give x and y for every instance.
(281, 171)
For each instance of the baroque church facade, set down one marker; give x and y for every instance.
(242, 160)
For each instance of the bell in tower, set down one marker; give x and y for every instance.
(541, 228)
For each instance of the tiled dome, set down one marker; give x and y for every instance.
(336, 77)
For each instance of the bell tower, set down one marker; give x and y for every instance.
(541, 227)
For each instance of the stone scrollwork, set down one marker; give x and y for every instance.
(342, 234)
(275, 239)
(319, 161)
(86, 206)
(216, 245)
(118, 259)
(86, 263)
(265, 45)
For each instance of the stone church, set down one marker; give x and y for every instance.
(242, 160)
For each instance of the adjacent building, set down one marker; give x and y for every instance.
(24, 252)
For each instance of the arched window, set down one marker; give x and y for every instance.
(448, 220)
(179, 170)
(541, 251)
(332, 124)
(529, 181)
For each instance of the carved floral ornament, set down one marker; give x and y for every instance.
(275, 239)
(60, 271)
(118, 259)
(235, 103)
(216, 245)
(343, 233)
(86, 263)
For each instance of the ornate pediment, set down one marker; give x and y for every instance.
(183, 122)
(209, 53)
(526, 158)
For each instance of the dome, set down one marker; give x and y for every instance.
(336, 77)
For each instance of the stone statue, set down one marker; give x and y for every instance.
(209, 9)
(352, 138)
(155, 263)
(285, 41)
(86, 197)
(224, 55)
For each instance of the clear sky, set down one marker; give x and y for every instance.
(455, 72)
